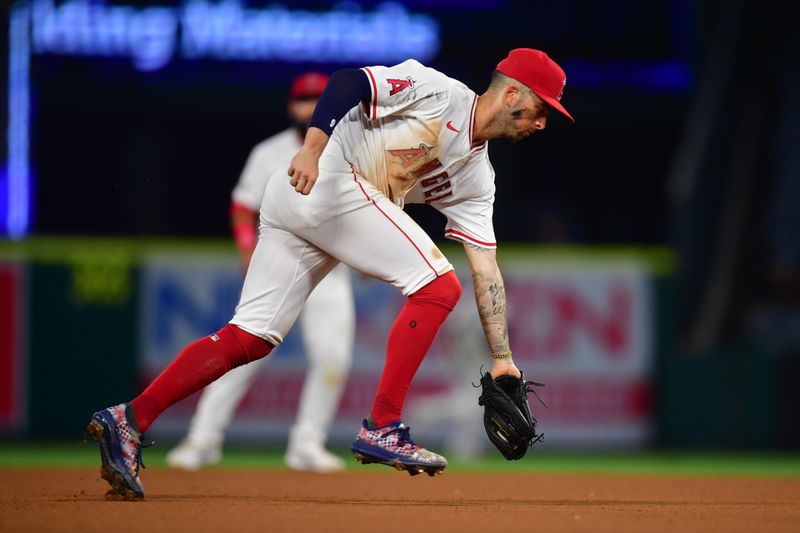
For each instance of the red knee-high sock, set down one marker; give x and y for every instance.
(197, 365)
(409, 340)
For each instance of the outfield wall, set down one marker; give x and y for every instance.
(93, 320)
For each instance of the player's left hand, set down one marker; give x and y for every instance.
(507, 415)
(505, 367)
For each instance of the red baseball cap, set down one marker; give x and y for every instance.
(538, 72)
(309, 85)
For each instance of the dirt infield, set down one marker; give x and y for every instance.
(383, 500)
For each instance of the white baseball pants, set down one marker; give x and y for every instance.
(302, 238)
(328, 327)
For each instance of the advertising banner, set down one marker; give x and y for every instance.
(584, 328)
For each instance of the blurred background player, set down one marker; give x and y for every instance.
(329, 314)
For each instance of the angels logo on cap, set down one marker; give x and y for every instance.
(537, 71)
(561, 92)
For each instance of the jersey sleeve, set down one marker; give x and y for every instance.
(261, 164)
(471, 222)
(469, 208)
(408, 87)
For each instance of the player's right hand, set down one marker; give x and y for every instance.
(304, 171)
(304, 168)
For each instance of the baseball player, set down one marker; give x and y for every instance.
(380, 136)
(328, 314)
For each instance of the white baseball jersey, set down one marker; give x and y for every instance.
(268, 156)
(413, 142)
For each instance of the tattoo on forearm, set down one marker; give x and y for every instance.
(502, 332)
(494, 291)
(490, 296)
(498, 293)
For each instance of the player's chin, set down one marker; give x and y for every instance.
(520, 136)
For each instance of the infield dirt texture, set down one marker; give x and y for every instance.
(379, 499)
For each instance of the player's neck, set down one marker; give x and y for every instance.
(486, 110)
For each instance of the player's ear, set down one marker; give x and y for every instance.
(511, 95)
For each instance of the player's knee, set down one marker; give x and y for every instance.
(330, 349)
(444, 290)
(451, 287)
(252, 346)
(339, 360)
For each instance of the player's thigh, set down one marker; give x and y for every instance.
(283, 271)
(381, 240)
(351, 220)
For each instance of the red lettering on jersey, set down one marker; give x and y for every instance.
(441, 188)
(445, 195)
(433, 180)
(409, 156)
(433, 186)
(427, 168)
(399, 85)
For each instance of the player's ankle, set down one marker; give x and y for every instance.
(130, 417)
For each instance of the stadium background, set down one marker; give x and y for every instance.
(652, 245)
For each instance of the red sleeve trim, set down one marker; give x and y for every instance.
(478, 149)
(464, 237)
(374, 85)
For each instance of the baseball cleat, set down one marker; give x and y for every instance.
(188, 455)
(393, 446)
(120, 451)
(313, 459)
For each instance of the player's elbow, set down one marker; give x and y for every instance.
(483, 265)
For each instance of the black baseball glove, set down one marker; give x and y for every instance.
(507, 415)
